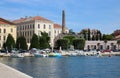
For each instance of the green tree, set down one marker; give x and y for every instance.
(70, 38)
(100, 35)
(44, 40)
(18, 43)
(34, 42)
(21, 43)
(10, 42)
(118, 42)
(63, 43)
(71, 31)
(79, 43)
(107, 37)
(89, 34)
(93, 37)
(84, 34)
(4, 46)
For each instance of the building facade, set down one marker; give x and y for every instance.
(58, 30)
(117, 34)
(90, 34)
(101, 45)
(34, 25)
(6, 27)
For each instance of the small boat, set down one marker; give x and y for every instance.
(40, 53)
(16, 54)
(99, 54)
(73, 54)
(52, 54)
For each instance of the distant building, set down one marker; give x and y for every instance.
(6, 27)
(117, 34)
(58, 30)
(101, 45)
(90, 34)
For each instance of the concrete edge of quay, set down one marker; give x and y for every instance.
(9, 72)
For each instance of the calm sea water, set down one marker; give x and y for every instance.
(67, 67)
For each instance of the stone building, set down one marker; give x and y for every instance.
(6, 27)
(34, 25)
(101, 45)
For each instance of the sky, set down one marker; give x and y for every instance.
(103, 15)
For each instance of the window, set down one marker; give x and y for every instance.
(20, 27)
(49, 26)
(11, 30)
(44, 26)
(4, 30)
(23, 27)
(33, 25)
(38, 25)
(4, 37)
(17, 28)
(49, 33)
(28, 33)
(0, 30)
(30, 26)
(55, 31)
(108, 47)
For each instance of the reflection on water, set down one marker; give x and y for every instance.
(67, 67)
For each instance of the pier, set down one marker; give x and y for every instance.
(8, 72)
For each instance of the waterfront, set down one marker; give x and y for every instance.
(67, 67)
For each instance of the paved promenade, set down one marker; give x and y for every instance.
(8, 72)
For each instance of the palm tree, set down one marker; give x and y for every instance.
(105, 41)
(118, 42)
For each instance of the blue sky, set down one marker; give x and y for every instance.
(95, 14)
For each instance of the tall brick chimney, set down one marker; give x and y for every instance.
(63, 21)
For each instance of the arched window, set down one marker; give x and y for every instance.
(88, 47)
(94, 46)
(108, 47)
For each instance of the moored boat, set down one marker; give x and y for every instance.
(16, 54)
(40, 53)
(52, 54)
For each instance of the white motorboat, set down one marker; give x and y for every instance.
(16, 54)
(40, 53)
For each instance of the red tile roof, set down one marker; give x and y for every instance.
(57, 26)
(4, 21)
(31, 19)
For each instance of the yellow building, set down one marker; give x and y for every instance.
(6, 27)
(35, 25)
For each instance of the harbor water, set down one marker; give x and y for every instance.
(67, 67)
